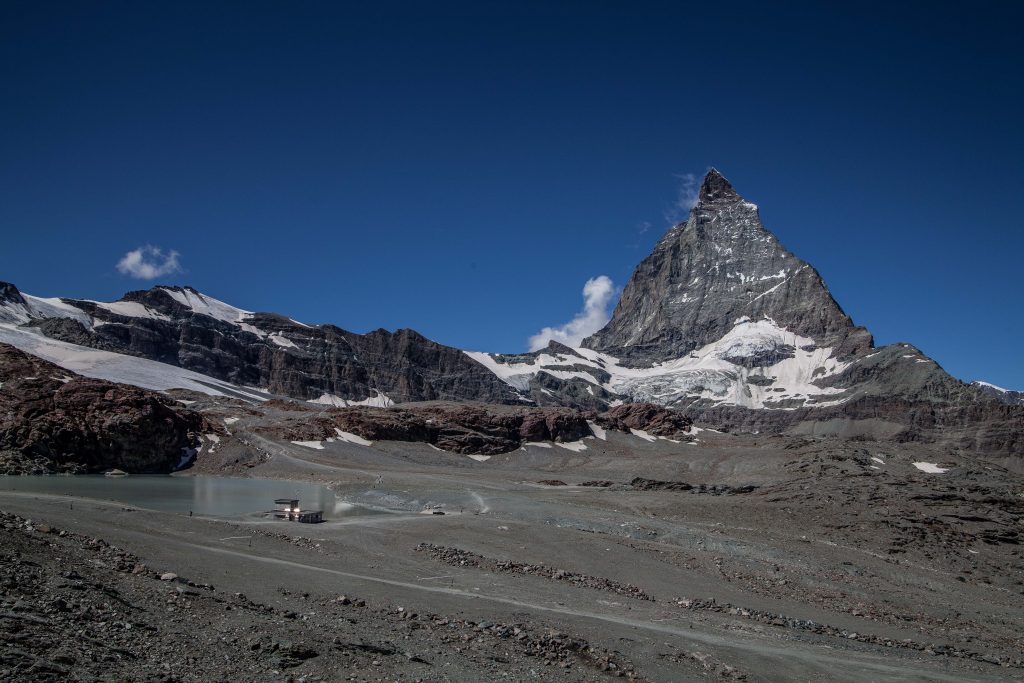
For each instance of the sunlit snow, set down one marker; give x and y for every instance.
(207, 305)
(283, 341)
(705, 373)
(930, 468)
(379, 400)
(130, 309)
(349, 437)
(318, 445)
(643, 435)
(116, 367)
(599, 431)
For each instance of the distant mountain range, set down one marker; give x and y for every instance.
(719, 321)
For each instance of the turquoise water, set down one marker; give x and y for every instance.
(215, 496)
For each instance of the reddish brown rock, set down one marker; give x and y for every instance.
(52, 420)
(455, 427)
(651, 418)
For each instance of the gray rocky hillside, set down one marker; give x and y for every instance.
(720, 266)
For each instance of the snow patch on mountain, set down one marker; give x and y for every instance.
(643, 435)
(225, 312)
(349, 437)
(283, 341)
(757, 364)
(130, 309)
(38, 307)
(379, 400)
(516, 375)
(116, 367)
(930, 467)
(55, 308)
(207, 305)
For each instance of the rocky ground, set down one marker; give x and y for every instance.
(718, 557)
(78, 608)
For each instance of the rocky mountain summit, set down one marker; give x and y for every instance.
(723, 322)
(720, 321)
(705, 275)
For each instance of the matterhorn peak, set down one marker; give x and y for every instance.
(703, 276)
(715, 188)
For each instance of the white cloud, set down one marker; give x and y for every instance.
(686, 198)
(148, 263)
(597, 295)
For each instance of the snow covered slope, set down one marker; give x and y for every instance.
(117, 367)
(232, 347)
(19, 308)
(1007, 396)
(756, 364)
(719, 266)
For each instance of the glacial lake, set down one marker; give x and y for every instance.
(214, 496)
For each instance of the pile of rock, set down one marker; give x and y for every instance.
(643, 484)
(781, 620)
(464, 558)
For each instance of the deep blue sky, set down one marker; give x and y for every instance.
(463, 169)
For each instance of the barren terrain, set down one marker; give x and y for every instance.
(735, 557)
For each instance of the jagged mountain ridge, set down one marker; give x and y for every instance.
(725, 323)
(180, 327)
(721, 314)
(1007, 396)
(720, 320)
(720, 266)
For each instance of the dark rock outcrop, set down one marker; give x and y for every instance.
(653, 419)
(54, 421)
(642, 484)
(458, 428)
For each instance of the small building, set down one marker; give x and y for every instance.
(288, 508)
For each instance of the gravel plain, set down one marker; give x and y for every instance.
(748, 558)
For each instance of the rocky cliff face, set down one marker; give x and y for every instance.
(181, 327)
(717, 268)
(1007, 396)
(456, 428)
(478, 428)
(54, 421)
